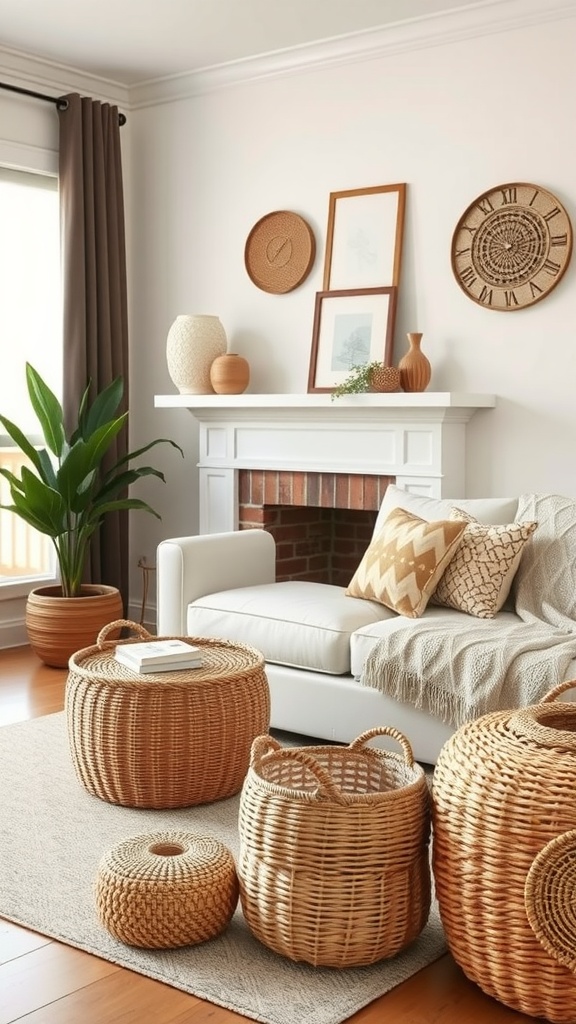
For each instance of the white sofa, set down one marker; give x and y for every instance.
(315, 639)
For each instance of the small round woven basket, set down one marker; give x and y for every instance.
(166, 889)
(504, 854)
(333, 865)
(169, 739)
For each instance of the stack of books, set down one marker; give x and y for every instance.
(159, 656)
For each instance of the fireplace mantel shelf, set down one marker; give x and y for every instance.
(394, 400)
(418, 439)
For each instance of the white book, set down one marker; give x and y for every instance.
(179, 666)
(194, 661)
(156, 652)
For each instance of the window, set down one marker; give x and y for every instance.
(30, 331)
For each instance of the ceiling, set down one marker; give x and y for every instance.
(133, 41)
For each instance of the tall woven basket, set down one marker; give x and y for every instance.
(333, 864)
(504, 854)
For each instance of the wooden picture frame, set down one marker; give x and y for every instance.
(351, 327)
(364, 238)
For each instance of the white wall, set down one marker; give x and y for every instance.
(451, 120)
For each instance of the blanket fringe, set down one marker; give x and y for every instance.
(407, 688)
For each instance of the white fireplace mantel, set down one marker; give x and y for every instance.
(419, 439)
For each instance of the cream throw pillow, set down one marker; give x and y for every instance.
(403, 564)
(478, 579)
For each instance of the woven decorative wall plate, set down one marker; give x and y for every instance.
(279, 252)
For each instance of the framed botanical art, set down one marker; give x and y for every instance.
(364, 238)
(351, 327)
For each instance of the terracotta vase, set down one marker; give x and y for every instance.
(230, 374)
(59, 626)
(415, 369)
(193, 343)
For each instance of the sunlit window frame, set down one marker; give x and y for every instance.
(35, 160)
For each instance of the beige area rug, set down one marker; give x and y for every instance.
(52, 836)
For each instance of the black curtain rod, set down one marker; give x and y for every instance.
(60, 102)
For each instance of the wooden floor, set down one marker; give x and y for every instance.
(46, 982)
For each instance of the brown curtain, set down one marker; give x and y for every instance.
(94, 290)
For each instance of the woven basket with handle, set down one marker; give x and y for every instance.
(166, 739)
(504, 854)
(333, 865)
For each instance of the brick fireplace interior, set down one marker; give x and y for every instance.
(322, 522)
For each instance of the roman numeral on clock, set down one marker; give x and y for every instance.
(468, 276)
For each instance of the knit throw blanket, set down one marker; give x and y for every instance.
(460, 669)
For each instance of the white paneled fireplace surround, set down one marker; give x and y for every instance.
(313, 471)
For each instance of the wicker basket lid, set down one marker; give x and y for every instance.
(279, 252)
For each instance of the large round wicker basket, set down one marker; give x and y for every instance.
(334, 865)
(170, 739)
(504, 854)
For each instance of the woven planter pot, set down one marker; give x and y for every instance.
(59, 626)
(333, 863)
(504, 854)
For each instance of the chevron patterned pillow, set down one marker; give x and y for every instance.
(404, 562)
(478, 579)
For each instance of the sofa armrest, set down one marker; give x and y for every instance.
(190, 567)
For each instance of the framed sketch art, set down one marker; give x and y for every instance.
(351, 327)
(364, 238)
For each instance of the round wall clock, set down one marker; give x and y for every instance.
(511, 246)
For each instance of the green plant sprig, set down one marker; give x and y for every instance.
(358, 380)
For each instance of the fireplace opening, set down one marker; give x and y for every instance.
(322, 522)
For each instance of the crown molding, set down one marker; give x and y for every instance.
(467, 22)
(483, 18)
(38, 74)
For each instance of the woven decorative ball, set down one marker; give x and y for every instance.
(334, 861)
(166, 889)
(385, 379)
(504, 854)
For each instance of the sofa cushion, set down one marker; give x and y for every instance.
(302, 624)
(485, 510)
(403, 564)
(479, 576)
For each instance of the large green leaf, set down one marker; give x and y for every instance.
(38, 505)
(22, 442)
(116, 484)
(76, 472)
(47, 409)
(100, 440)
(122, 503)
(130, 456)
(102, 410)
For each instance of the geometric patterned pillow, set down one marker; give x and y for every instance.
(478, 579)
(404, 562)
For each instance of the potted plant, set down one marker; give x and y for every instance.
(65, 493)
(373, 376)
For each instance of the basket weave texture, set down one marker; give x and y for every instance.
(504, 850)
(166, 889)
(169, 739)
(333, 864)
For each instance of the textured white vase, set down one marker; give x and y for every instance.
(192, 345)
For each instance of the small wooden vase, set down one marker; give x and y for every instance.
(415, 369)
(230, 374)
